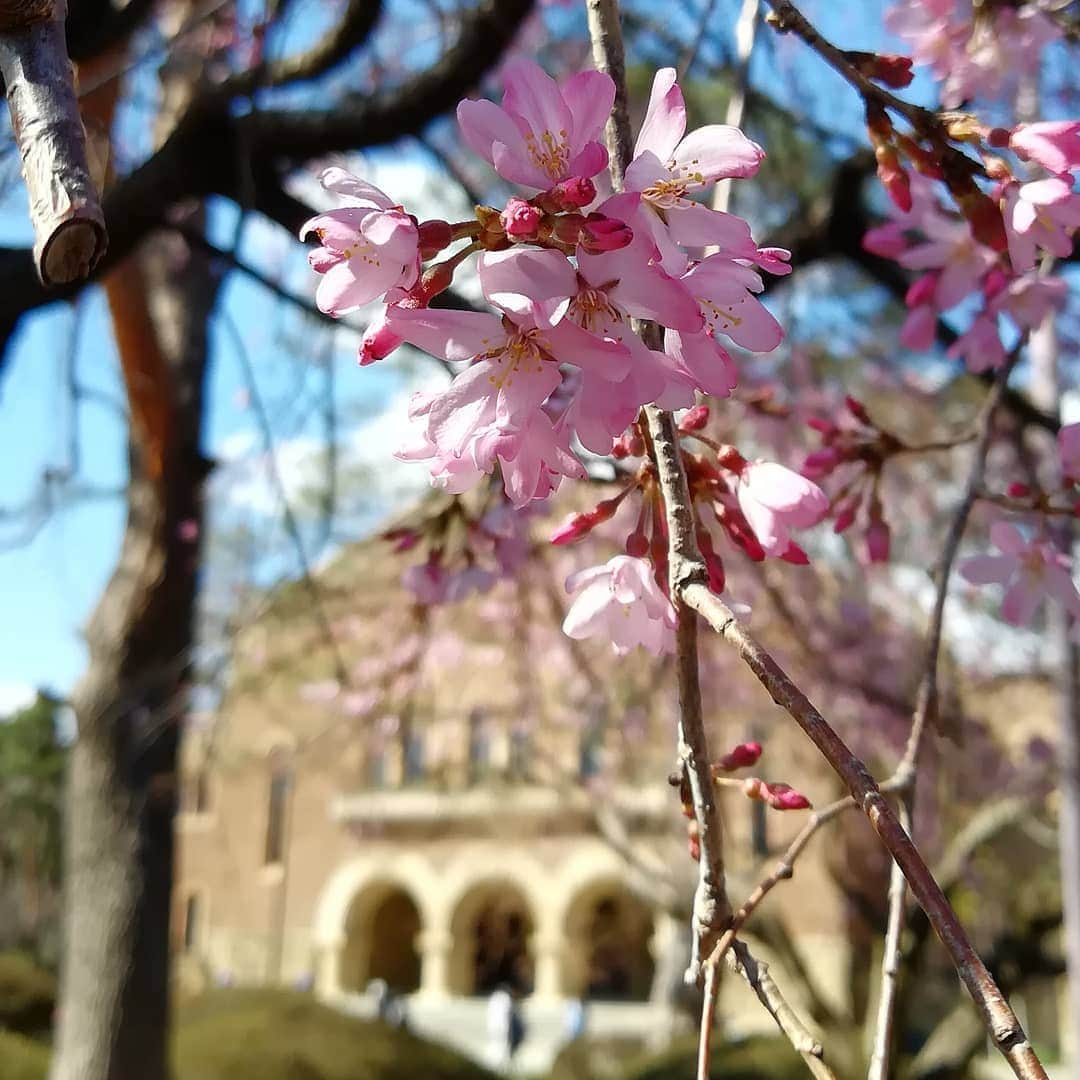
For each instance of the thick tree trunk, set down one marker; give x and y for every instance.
(131, 702)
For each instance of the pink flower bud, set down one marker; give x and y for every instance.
(434, 236)
(1016, 490)
(994, 283)
(570, 194)
(378, 342)
(821, 425)
(845, 517)
(741, 756)
(877, 541)
(637, 544)
(694, 419)
(795, 555)
(600, 233)
(889, 69)
(520, 219)
(893, 177)
(858, 410)
(573, 528)
(921, 290)
(821, 462)
(784, 797)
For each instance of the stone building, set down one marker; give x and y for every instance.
(460, 799)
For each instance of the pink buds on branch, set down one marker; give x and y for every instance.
(741, 756)
(778, 796)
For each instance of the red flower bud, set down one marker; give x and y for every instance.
(893, 177)
(573, 528)
(521, 219)
(1016, 490)
(600, 233)
(821, 425)
(694, 419)
(741, 756)
(570, 194)
(434, 236)
(858, 410)
(795, 555)
(637, 544)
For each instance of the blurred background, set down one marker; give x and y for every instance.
(319, 828)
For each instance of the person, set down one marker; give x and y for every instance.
(506, 1028)
(574, 1019)
(389, 1007)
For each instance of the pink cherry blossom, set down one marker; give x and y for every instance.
(542, 134)
(775, 500)
(1031, 569)
(980, 345)
(1053, 144)
(669, 166)
(960, 259)
(621, 602)
(378, 342)
(1042, 214)
(1068, 441)
(367, 249)
(1029, 298)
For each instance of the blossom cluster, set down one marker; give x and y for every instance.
(556, 363)
(557, 366)
(976, 49)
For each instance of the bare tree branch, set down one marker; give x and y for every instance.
(69, 227)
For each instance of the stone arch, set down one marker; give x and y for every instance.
(608, 933)
(382, 929)
(492, 926)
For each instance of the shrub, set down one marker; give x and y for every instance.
(281, 1035)
(27, 994)
(22, 1058)
(757, 1058)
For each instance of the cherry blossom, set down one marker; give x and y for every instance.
(1054, 144)
(1068, 441)
(368, 248)
(775, 500)
(621, 602)
(1041, 214)
(1031, 570)
(543, 134)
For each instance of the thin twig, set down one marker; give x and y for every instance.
(926, 712)
(999, 1018)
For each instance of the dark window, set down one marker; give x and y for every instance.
(414, 757)
(192, 915)
(201, 793)
(520, 752)
(275, 815)
(479, 746)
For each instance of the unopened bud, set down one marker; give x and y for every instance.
(795, 555)
(435, 235)
(572, 194)
(878, 541)
(741, 756)
(963, 127)
(600, 233)
(858, 410)
(573, 528)
(921, 290)
(821, 462)
(821, 425)
(889, 69)
(521, 220)
(893, 177)
(1017, 490)
(378, 342)
(999, 137)
(694, 419)
(637, 544)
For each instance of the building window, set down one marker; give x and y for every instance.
(275, 815)
(589, 751)
(520, 752)
(200, 794)
(192, 917)
(376, 767)
(479, 746)
(414, 757)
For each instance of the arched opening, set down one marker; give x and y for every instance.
(381, 932)
(491, 929)
(608, 933)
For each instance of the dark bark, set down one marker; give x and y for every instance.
(130, 706)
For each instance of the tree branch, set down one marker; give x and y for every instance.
(69, 228)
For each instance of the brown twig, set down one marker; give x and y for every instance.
(69, 227)
(926, 712)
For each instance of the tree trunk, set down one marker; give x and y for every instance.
(132, 700)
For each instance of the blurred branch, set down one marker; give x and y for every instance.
(69, 228)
